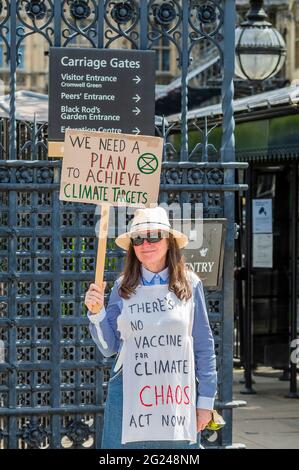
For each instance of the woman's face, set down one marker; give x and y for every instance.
(152, 254)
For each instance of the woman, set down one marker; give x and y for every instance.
(164, 381)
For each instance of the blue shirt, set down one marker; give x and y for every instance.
(103, 329)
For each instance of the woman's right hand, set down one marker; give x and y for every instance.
(94, 298)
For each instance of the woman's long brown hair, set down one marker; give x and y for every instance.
(178, 281)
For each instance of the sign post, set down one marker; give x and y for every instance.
(101, 90)
(101, 108)
(110, 169)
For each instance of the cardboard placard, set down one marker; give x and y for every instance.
(109, 168)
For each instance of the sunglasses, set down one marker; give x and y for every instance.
(150, 237)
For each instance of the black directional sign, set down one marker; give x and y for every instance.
(105, 90)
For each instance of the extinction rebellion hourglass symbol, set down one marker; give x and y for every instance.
(147, 163)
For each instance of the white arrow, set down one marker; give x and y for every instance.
(136, 131)
(136, 111)
(136, 98)
(137, 79)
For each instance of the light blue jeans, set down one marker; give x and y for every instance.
(111, 438)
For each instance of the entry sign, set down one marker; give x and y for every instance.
(207, 260)
(105, 90)
(113, 169)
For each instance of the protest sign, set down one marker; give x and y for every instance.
(107, 169)
(158, 366)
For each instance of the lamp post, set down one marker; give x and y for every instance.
(260, 54)
(260, 48)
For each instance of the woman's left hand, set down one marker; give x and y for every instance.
(203, 417)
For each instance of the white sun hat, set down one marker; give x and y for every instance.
(148, 220)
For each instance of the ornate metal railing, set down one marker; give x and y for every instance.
(53, 379)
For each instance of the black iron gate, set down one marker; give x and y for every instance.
(52, 378)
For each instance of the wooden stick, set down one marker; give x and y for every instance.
(101, 254)
(102, 243)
